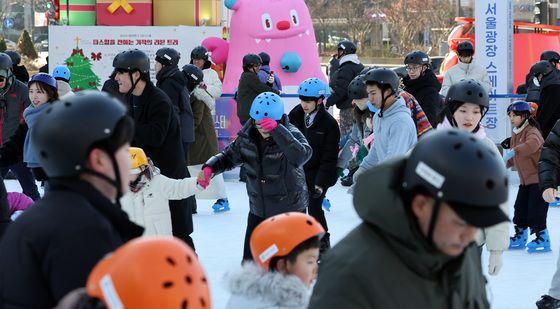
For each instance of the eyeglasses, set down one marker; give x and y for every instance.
(411, 68)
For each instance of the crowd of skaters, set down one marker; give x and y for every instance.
(415, 211)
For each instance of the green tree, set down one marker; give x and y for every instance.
(82, 76)
(3, 46)
(25, 46)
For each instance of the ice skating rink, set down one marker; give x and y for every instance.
(219, 244)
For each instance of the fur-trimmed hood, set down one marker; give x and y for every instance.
(253, 287)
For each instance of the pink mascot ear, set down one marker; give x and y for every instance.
(218, 47)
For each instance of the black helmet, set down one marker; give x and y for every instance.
(5, 62)
(417, 57)
(16, 58)
(193, 74)
(199, 52)
(542, 67)
(250, 60)
(454, 166)
(347, 47)
(549, 55)
(265, 58)
(168, 56)
(357, 88)
(465, 47)
(382, 76)
(468, 90)
(64, 134)
(132, 60)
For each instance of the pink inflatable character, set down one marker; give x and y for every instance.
(281, 28)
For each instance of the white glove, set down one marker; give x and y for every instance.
(495, 262)
(270, 79)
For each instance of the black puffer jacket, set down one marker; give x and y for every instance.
(158, 131)
(53, 246)
(549, 109)
(323, 137)
(340, 80)
(172, 81)
(275, 177)
(426, 91)
(549, 163)
(4, 209)
(249, 88)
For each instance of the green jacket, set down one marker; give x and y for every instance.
(385, 262)
(249, 88)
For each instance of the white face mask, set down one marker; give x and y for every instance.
(536, 82)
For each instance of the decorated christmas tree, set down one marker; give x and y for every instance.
(82, 76)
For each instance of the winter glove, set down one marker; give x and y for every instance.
(508, 155)
(268, 124)
(317, 192)
(549, 195)
(506, 144)
(204, 177)
(270, 79)
(354, 150)
(495, 262)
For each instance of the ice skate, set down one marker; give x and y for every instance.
(541, 243)
(221, 205)
(519, 239)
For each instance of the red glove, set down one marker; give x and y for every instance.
(207, 172)
(268, 124)
(204, 177)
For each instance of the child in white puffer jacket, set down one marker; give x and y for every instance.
(147, 203)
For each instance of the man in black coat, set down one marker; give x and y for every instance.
(157, 129)
(322, 133)
(422, 83)
(273, 153)
(20, 72)
(549, 109)
(349, 66)
(174, 83)
(52, 247)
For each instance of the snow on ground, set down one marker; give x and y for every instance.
(219, 244)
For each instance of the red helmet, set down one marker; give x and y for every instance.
(278, 235)
(151, 272)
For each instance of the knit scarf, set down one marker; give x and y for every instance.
(30, 115)
(518, 130)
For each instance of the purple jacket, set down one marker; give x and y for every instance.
(263, 76)
(18, 201)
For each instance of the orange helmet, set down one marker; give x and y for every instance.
(150, 272)
(278, 235)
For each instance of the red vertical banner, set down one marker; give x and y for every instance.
(197, 12)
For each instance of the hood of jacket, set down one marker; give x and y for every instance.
(349, 58)
(277, 289)
(398, 107)
(551, 79)
(173, 73)
(426, 80)
(63, 88)
(378, 201)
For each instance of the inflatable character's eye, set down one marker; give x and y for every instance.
(295, 18)
(266, 22)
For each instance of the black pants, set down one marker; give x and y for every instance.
(181, 221)
(252, 222)
(191, 200)
(315, 209)
(530, 208)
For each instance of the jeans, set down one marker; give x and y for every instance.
(25, 178)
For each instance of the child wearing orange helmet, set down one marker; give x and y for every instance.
(285, 248)
(147, 203)
(148, 272)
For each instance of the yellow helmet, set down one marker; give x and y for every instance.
(138, 159)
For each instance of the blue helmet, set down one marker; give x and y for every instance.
(313, 88)
(45, 79)
(61, 71)
(267, 105)
(519, 106)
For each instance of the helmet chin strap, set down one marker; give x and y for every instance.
(134, 83)
(433, 219)
(116, 183)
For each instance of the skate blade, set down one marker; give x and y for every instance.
(539, 250)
